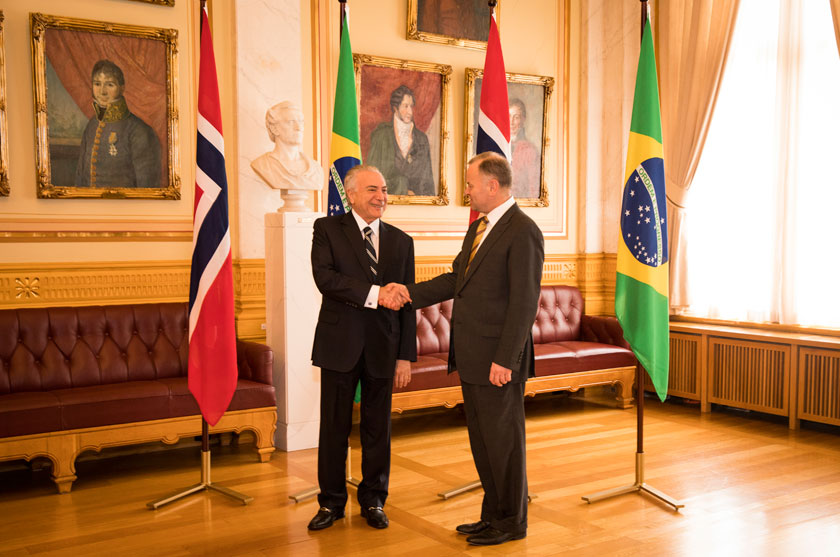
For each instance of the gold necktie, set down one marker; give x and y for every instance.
(479, 232)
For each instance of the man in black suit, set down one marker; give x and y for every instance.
(357, 339)
(495, 283)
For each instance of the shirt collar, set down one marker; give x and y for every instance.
(360, 222)
(500, 210)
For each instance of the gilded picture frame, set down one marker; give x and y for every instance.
(529, 98)
(122, 146)
(169, 3)
(404, 127)
(463, 23)
(4, 129)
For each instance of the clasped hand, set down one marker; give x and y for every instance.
(393, 296)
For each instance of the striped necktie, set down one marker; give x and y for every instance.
(479, 232)
(371, 251)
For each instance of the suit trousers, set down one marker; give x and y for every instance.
(496, 426)
(337, 392)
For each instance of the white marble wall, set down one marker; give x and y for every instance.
(609, 38)
(268, 60)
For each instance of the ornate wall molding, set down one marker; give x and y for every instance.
(106, 283)
(73, 284)
(249, 292)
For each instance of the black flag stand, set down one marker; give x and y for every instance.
(639, 486)
(205, 483)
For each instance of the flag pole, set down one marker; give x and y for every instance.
(639, 486)
(205, 483)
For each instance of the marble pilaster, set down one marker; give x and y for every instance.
(292, 303)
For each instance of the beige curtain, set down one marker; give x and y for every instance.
(835, 15)
(692, 41)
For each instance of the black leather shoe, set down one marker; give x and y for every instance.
(325, 518)
(472, 527)
(375, 517)
(491, 536)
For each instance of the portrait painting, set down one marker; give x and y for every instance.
(4, 130)
(529, 97)
(105, 117)
(464, 23)
(402, 125)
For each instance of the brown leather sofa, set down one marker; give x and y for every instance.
(572, 351)
(74, 379)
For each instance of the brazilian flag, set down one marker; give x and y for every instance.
(345, 152)
(641, 286)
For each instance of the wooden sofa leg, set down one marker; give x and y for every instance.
(265, 423)
(62, 453)
(624, 394)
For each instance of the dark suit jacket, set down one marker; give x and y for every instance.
(495, 303)
(345, 327)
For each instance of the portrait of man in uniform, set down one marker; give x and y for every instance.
(106, 114)
(118, 148)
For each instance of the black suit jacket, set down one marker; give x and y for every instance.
(345, 327)
(495, 302)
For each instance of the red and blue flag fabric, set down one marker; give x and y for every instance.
(212, 355)
(494, 111)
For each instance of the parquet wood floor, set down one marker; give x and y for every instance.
(750, 487)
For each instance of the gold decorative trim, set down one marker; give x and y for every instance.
(445, 71)
(4, 130)
(73, 236)
(249, 289)
(93, 283)
(39, 24)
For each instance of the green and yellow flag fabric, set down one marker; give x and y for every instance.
(345, 152)
(641, 287)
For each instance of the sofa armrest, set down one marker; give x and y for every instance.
(255, 361)
(603, 329)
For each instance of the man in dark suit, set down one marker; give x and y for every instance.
(495, 283)
(357, 339)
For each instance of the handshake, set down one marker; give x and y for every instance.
(393, 296)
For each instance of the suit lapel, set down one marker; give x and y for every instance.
(351, 230)
(387, 250)
(494, 235)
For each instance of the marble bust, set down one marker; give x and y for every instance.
(287, 167)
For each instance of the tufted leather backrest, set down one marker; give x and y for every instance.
(558, 318)
(558, 314)
(433, 328)
(54, 348)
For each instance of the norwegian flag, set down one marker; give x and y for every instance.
(494, 111)
(212, 355)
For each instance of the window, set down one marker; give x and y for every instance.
(764, 211)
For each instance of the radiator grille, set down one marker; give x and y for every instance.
(750, 375)
(819, 386)
(684, 366)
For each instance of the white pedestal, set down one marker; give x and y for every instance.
(292, 302)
